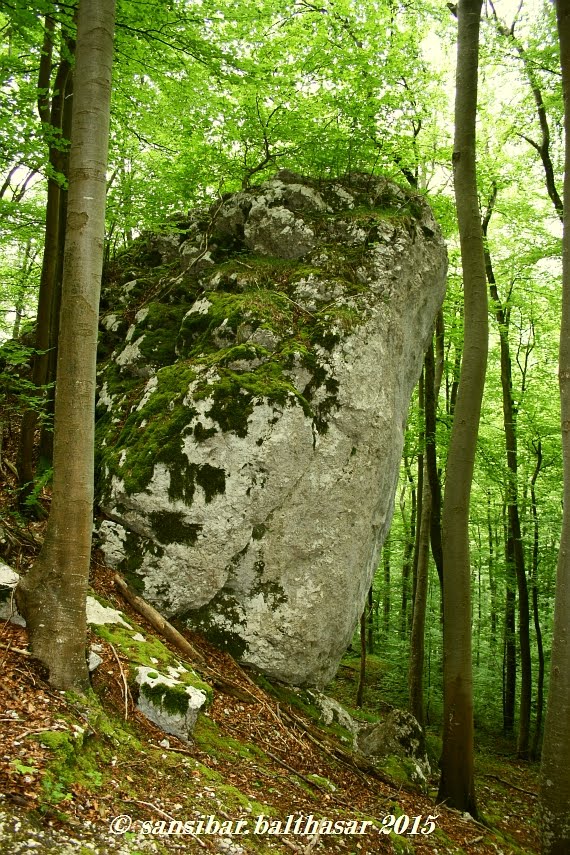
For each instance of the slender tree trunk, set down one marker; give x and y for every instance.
(432, 385)
(510, 648)
(386, 588)
(46, 436)
(555, 767)
(410, 535)
(362, 676)
(457, 785)
(52, 595)
(512, 492)
(415, 676)
(370, 620)
(535, 753)
(419, 492)
(433, 375)
(52, 120)
(492, 579)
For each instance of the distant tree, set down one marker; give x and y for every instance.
(52, 595)
(555, 767)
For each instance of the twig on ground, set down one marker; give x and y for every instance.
(512, 786)
(13, 649)
(294, 771)
(157, 621)
(124, 678)
(166, 816)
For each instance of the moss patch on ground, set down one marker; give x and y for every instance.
(151, 653)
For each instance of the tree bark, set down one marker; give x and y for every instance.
(52, 118)
(433, 376)
(415, 674)
(407, 559)
(417, 642)
(46, 436)
(512, 493)
(555, 766)
(386, 598)
(457, 786)
(52, 595)
(535, 752)
(509, 648)
(370, 620)
(492, 579)
(362, 674)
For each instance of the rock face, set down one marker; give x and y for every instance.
(401, 737)
(254, 388)
(168, 702)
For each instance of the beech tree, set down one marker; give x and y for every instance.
(54, 108)
(52, 595)
(555, 767)
(457, 786)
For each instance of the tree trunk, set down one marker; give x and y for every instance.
(52, 595)
(420, 492)
(555, 767)
(415, 675)
(535, 753)
(432, 384)
(386, 587)
(492, 579)
(46, 436)
(509, 649)
(370, 620)
(52, 120)
(362, 676)
(433, 376)
(514, 524)
(457, 786)
(408, 551)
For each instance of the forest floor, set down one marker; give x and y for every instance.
(69, 765)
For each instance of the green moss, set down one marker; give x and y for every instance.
(82, 754)
(271, 591)
(152, 434)
(301, 700)
(324, 783)
(169, 527)
(236, 800)
(171, 699)
(211, 479)
(160, 328)
(223, 635)
(234, 394)
(210, 739)
(151, 653)
(201, 433)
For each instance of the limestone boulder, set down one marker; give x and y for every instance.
(397, 743)
(253, 393)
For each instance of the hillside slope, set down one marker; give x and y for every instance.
(259, 767)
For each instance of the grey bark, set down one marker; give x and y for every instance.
(555, 766)
(52, 595)
(457, 786)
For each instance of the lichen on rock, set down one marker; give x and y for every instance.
(250, 419)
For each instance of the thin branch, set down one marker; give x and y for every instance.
(125, 684)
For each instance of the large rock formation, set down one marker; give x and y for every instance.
(253, 393)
